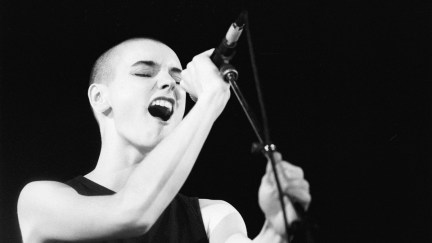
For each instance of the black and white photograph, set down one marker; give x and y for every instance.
(215, 121)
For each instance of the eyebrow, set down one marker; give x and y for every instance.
(147, 63)
(154, 64)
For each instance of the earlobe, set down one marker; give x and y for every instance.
(97, 94)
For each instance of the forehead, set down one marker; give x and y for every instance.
(147, 50)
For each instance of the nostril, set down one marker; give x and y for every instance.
(166, 83)
(170, 86)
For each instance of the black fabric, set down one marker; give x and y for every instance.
(181, 222)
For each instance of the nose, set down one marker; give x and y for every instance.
(166, 82)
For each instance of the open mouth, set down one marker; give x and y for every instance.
(162, 108)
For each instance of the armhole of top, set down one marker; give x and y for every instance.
(196, 209)
(87, 187)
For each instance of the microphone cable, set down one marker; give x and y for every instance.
(268, 147)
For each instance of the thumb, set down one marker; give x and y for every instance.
(208, 52)
(277, 158)
(186, 87)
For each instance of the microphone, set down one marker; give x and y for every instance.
(226, 49)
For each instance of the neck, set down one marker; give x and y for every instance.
(117, 160)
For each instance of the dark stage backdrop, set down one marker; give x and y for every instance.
(346, 85)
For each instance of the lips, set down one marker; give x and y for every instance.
(162, 107)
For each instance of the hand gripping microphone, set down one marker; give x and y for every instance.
(226, 49)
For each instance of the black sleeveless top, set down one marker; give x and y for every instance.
(180, 222)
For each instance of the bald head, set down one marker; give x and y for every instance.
(103, 70)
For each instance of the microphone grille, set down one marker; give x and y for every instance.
(241, 20)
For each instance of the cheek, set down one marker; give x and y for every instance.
(128, 103)
(122, 104)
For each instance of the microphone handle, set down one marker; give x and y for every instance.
(226, 49)
(223, 53)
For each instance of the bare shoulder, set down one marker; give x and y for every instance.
(40, 189)
(36, 189)
(221, 219)
(36, 201)
(38, 186)
(37, 194)
(49, 210)
(220, 206)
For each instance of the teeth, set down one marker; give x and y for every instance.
(162, 103)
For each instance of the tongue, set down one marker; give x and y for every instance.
(161, 112)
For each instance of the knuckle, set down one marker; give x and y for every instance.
(199, 58)
(296, 183)
(264, 179)
(308, 197)
(299, 171)
(307, 185)
(278, 156)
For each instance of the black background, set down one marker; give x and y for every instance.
(346, 85)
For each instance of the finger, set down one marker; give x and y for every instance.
(267, 180)
(187, 83)
(270, 173)
(276, 156)
(208, 52)
(286, 173)
(291, 171)
(185, 87)
(286, 185)
(185, 73)
(294, 188)
(301, 196)
(184, 82)
(297, 190)
(295, 184)
(277, 159)
(290, 184)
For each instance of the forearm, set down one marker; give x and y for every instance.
(160, 176)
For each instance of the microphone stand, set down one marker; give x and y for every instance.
(230, 75)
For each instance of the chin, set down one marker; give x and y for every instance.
(145, 147)
(152, 140)
(154, 133)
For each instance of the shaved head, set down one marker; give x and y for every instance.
(103, 70)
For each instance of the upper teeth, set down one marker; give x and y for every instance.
(162, 103)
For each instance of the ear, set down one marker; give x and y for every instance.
(98, 97)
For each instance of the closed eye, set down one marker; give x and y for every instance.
(146, 75)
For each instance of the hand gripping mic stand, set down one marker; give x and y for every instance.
(264, 145)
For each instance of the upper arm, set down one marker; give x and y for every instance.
(223, 222)
(51, 210)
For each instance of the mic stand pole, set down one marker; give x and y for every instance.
(230, 75)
